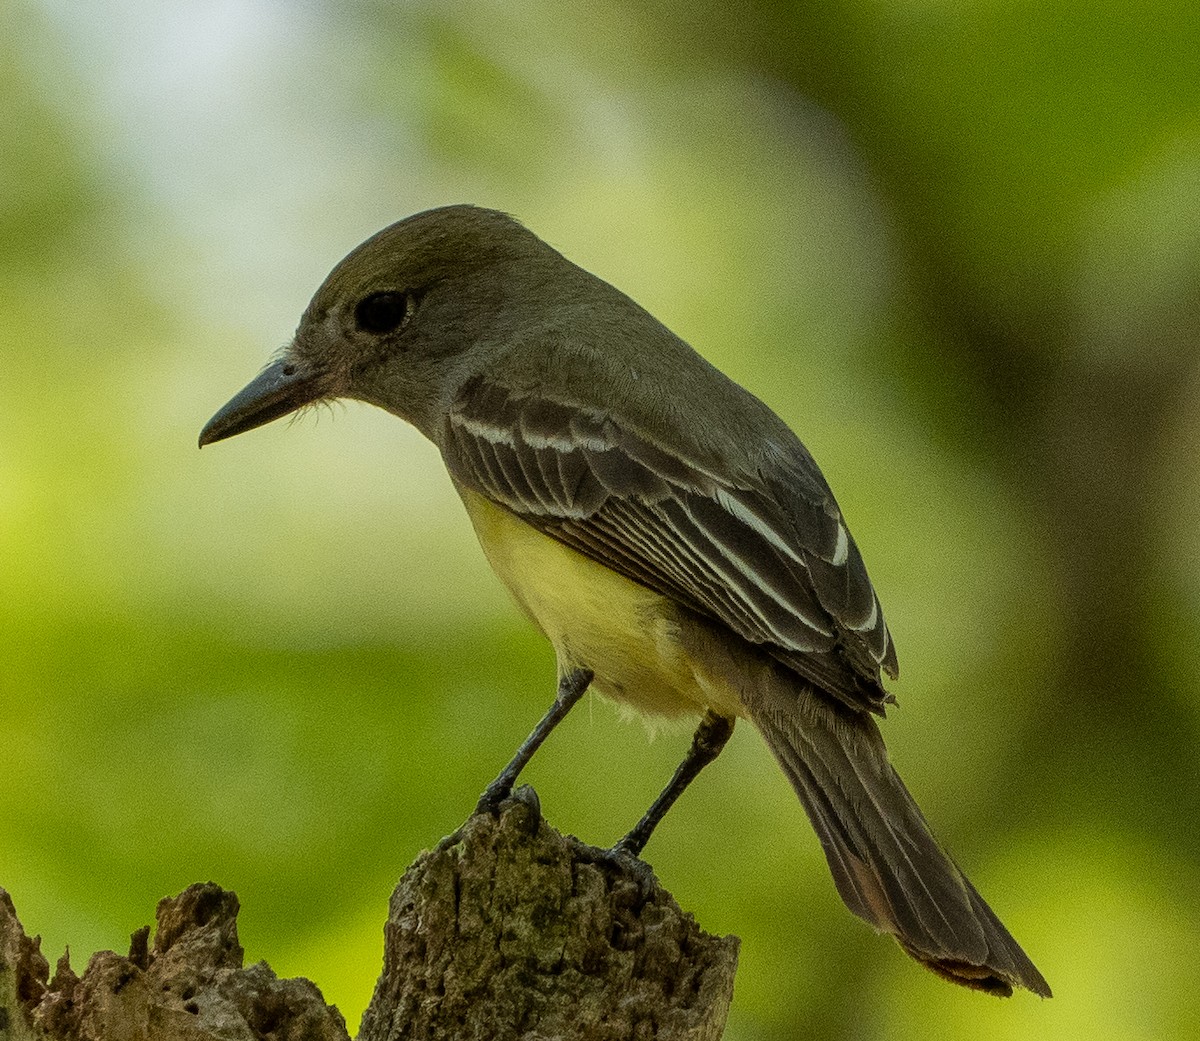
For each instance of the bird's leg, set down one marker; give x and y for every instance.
(710, 738)
(570, 689)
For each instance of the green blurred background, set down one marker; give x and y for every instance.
(954, 245)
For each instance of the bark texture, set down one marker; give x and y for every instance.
(190, 985)
(510, 930)
(506, 930)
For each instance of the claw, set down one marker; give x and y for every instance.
(629, 865)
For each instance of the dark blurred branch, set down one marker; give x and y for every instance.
(507, 929)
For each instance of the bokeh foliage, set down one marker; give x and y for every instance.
(955, 245)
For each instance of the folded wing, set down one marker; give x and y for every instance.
(766, 554)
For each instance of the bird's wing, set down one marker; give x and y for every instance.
(773, 563)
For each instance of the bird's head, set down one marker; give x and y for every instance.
(403, 320)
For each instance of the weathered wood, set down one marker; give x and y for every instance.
(189, 985)
(510, 930)
(506, 930)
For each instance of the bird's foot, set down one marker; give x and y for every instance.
(496, 796)
(493, 795)
(571, 688)
(627, 864)
(497, 803)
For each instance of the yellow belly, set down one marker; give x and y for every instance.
(596, 618)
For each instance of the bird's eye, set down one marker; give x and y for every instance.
(382, 312)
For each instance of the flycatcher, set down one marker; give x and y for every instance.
(664, 529)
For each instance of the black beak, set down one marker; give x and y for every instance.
(278, 390)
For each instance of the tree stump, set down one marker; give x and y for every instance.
(506, 930)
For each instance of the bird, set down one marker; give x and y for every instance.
(668, 533)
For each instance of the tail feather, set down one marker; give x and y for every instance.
(888, 867)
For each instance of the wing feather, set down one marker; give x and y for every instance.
(763, 556)
(684, 570)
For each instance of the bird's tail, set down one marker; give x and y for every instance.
(888, 867)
